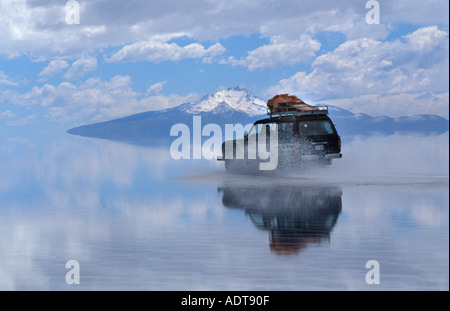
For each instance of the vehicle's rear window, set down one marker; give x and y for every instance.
(315, 127)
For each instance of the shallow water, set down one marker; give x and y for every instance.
(134, 219)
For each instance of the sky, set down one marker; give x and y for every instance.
(67, 63)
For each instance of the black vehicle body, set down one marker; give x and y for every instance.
(304, 139)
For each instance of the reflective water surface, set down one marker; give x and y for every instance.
(134, 219)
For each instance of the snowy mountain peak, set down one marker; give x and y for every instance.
(235, 99)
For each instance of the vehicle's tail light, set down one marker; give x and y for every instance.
(339, 144)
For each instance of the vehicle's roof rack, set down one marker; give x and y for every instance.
(297, 111)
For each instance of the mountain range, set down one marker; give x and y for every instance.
(236, 105)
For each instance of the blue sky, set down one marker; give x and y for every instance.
(126, 57)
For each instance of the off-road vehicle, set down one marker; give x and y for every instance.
(305, 137)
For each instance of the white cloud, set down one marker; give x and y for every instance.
(364, 65)
(91, 31)
(38, 28)
(415, 12)
(92, 100)
(426, 39)
(415, 63)
(35, 30)
(158, 51)
(155, 88)
(7, 114)
(355, 29)
(5, 80)
(81, 67)
(279, 52)
(23, 121)
(54, 67)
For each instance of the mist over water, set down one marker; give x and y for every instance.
(375, 159)
(134, 218)
(397, 155)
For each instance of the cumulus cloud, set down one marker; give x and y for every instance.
(81, 67)
(426, 39)
(415, 12)
(158, 51)
(5, 80)
(156, 88)
(279, 52)
(92, 31)
(415, 63)
(38, 28)
(35, 30)
(53, 68)
(92, 100)
(365, 64)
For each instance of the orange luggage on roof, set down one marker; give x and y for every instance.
(288, 101)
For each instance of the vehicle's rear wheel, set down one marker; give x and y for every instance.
(325, 162)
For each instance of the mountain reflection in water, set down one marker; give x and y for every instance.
(295, 216)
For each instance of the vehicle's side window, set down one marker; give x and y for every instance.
(285, 129)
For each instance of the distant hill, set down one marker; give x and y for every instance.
(351, 124)
(236, 105)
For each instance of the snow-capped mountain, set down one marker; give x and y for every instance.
(229, 106)
(240, 106)
(233, 99)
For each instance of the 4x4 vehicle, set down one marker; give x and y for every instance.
(304, 136)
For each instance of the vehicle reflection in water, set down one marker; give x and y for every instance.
(295, 216)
